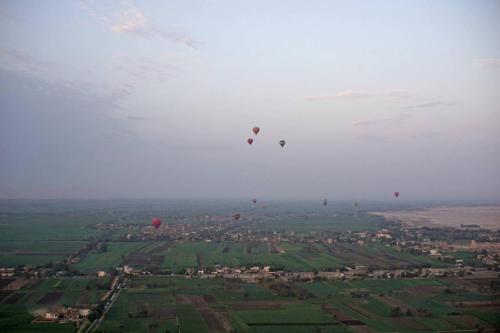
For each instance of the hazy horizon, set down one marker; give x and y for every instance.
(154, 99)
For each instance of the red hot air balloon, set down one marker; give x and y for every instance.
(156, 222)
(256, 130)
(250, 141)
(237, 216)
(396, 194)
(282, 143)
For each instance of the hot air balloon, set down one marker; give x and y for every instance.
(156, 222)
(236, 216)
(356, 205)
(282, 143)
(256, 130)
(254, 201)
(396, 194)
(325, 202)
(250, 141)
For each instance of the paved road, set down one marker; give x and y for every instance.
(113, 298)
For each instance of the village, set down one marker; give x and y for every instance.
(482, 262)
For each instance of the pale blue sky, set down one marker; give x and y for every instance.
(157, 99)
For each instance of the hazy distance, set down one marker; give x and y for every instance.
(122, 99)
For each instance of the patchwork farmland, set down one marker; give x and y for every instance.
(219, 305)
(282, 270)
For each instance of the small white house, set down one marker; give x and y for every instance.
(52, 315)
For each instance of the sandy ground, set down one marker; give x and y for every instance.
(486, 216)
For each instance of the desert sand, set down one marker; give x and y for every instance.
(485, 216)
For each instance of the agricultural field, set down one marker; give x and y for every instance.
(17, 308)
(17, 319)
(215, 305)
(289, 257)
(158, 295)
(232, 254)
(39, 233)
(49, 292)
(34, 253)
(104, 261)
(380, 256)
(177, 257)
(341, 220)
(31, 236)
(21, 226)
(161, 304)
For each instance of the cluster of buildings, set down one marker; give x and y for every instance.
(470, 247)
(264, 273)
(447, 244)
(451, 245)
(61, 314)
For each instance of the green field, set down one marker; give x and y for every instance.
(296, 257)
(18, 319)
(36, 235)
(161, 303)
(341, 221)
(35, 253)
(48, 226)
(305, 313)
(136, 310)
(74, 292)
(254, 308)
(96, 261)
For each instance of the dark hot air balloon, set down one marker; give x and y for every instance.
(237, 216)
(156, 222)
(325, 202)
(254, 201)
(396, 194)
(282, 143)
(256, 130)
(250, 141)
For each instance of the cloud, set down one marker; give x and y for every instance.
(370, 122)
(50, 77)
(19, 60)
(157, 69)
(402, 116)
(488, 62)
(361, 94)
(351, 94)
(137, 118)
(130, 19)
(51, 130)
(5, 15)
(63, 101)
(399, 118)
(432, 104)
